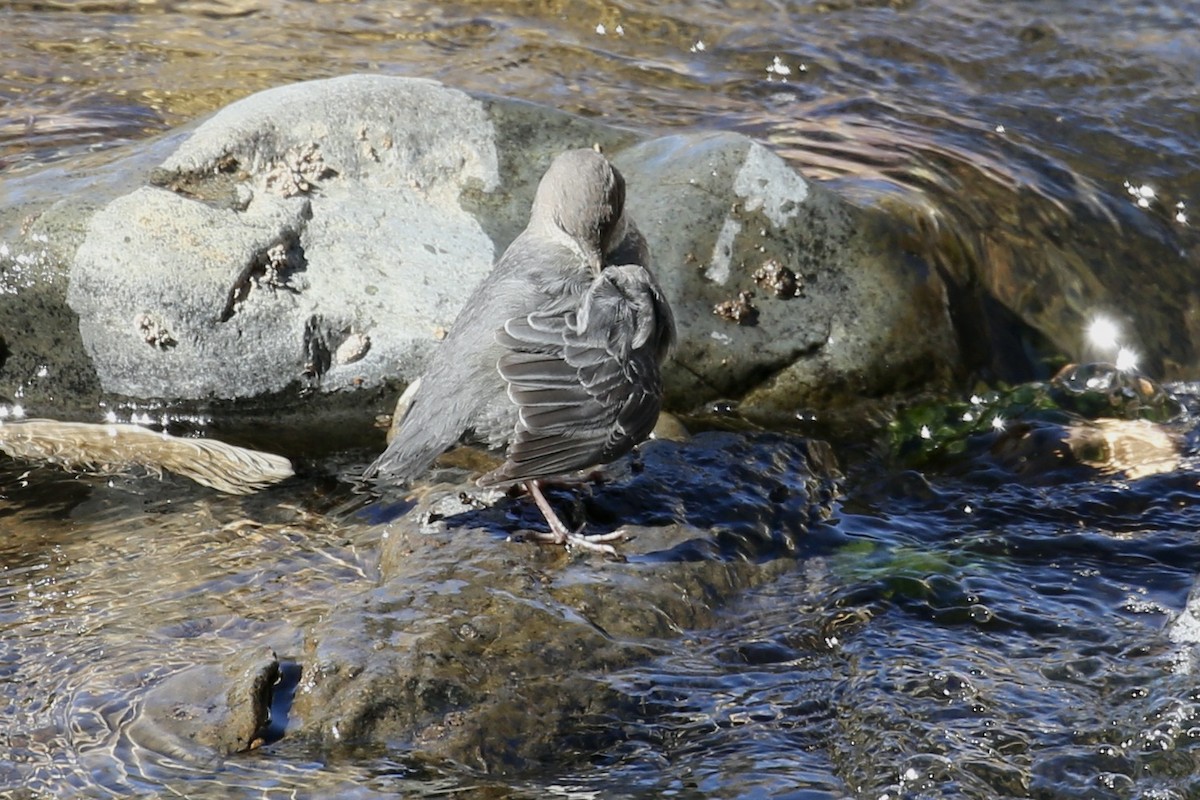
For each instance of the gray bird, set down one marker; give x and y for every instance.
(556, 355)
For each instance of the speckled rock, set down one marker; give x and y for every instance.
(289, 222)
(865, 318)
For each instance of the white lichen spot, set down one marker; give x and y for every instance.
(154, 331)
(300, 169)
(352, 348)
(273, 273)
(620, 29)
(719, 266)
(600, 29)
(765, 182)
(723, 338)
(999, 129)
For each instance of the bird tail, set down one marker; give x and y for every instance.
(413, 448)
(402, 462)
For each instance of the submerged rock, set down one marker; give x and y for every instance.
(206, 712)
(493, 654)
(113, 447)
(1088, 417)
(319, 238)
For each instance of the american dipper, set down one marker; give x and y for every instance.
(556, 354)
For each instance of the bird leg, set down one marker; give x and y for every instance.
(561, 534)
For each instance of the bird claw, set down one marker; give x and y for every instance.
(594, 543)
(597, 543)
(560, 534)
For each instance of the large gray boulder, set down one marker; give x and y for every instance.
(837, 311)
(289, 223)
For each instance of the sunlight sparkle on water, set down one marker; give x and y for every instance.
(1142, 194)
(1103, 334)
(1127, 360)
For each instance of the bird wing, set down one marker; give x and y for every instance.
(586, 381)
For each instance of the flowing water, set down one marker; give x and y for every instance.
(978, 632)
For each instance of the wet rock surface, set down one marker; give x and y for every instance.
(490, 652)
(427, 630)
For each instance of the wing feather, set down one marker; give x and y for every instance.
(586, 380)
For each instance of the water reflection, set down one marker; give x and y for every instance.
(118, 585)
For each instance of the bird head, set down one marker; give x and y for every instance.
(583, 195)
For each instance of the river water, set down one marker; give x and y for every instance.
(982, 632)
